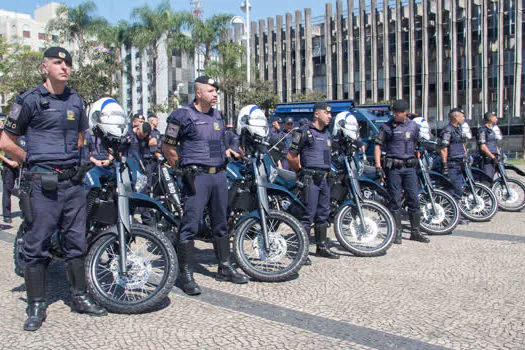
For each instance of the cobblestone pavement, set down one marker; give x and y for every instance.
(462, 291)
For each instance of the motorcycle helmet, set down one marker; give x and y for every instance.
(466, 133)
(347, 123)
(497, 132)
(252, 122)
(108, 118)
(424, 128)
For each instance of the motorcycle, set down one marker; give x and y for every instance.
(130, 268)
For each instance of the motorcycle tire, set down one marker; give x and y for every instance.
(288, 240)
(485, 210)
(447, 217)
(119, 294)
(18, 251)
(515, 199)
(377, 217)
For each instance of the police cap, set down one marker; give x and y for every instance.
(204, 79)
(322, 105)
(303, 121)
(488, 115)
(59, 52)
(139, 116)
(277, 119)
(152, 116)
(400, 106)
(288, 120)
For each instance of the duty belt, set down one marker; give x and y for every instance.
(63, 175)
(400, 163)
(207, 169)
(317, 171)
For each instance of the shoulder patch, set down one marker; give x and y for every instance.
(296, 137)
(14, 113)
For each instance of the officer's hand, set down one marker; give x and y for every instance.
(380, 173)
(444, 169)
(13, 164)
(104, 162)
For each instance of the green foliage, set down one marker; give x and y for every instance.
(261, 94)
(207, 33)
(310, 96)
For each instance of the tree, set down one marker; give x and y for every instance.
(207, 33)
(261, 94)
(313, 95)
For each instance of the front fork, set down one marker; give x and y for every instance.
(470, 183)
(503, 176)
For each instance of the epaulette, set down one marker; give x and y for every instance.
(20, 98)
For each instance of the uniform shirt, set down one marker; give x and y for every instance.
(136, 148)
(231, 141)
(51, 124)
(201, 136)
(487, 136)
(398, 140)
(155, 134)
(97, 150)
(451, 138)
(313, 147)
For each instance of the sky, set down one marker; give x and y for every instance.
(115, 10)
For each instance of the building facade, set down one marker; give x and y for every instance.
(436, 54)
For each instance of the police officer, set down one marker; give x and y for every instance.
(488, 144)
(53, 118)
(98, 154)
(10, 170)
(155, 135)
(303, 122)
(276, 126)
(199, 129)
(398, 138)
(286, 137)
(310, 157)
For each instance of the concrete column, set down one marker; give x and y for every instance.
(339, 48)
(270, 49)
(308, 54)
(298, 56)
(262, 59)
(350, 39)
(124, 83)
(374, 68)
(412, 55)
(161, 65)
(399, 50)
(439, 59)
(253, 49)
(279, 56)
(485, 56)
(453, 56)
(134, 81)
(328, 45)
(386, 51)
(518, 59)
(144, 56)
(501, 59)
(289, 66)
(468, 58)
(424, 70)
(362, 53)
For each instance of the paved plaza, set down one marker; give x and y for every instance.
(462, 291)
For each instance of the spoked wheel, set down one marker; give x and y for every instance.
(511, 198)
(151, 271)
(441, 219)
(371, 238)
(288, 247)
(480, 205)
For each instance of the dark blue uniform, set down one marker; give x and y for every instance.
(9, 175)
(451, 138)
(96, 148)
(287, 143)
(399, 140)
(487, 136)
(202, 147)
(231, 141)
(52, 124)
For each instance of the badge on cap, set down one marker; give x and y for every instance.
(61, 55)
(211, 81)
(328, 109)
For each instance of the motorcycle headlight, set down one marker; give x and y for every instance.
(273, 174)
(141, 183)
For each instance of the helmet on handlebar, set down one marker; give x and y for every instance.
(107, 118)
(424, 128)
(252, 122)
(466, 133)
(347, 124)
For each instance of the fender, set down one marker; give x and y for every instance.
(440, 178)
(363, 180)
(481, 176)
(253, 214)
(142, 200)
(514, 168)
(349, 202)
(283, 191)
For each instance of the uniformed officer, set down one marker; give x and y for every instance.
(303, 122)
(488, 144)
(276, 126)
(155, 135)
(310, 157)
(199, 129)
(98, 154)
(398, 138)
(286, 137)
(10, 170)
(53, 118)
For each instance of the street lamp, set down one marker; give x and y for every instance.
(245, 7)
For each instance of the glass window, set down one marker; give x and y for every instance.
(26, 34)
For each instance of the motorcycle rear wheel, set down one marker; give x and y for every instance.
(447, 217)
(514, 198)
(487, 205)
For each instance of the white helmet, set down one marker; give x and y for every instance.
(346, 122)
(466, 133)
(252, 120)
(497, 132)
(108, 118)
(424, 128)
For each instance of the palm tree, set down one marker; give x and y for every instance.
(207, 33)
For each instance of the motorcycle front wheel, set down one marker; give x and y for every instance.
(372, 237)
(511, 199)
(152, 269)
(288, 247)
(444, 219)
(479, 206)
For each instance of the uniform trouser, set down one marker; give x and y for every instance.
(8, 177)
(455, 173)
(64, 210)
(285, 164)
(146, 214)
(209, 189)
(318, 206)
(489, 167)
(399, 179)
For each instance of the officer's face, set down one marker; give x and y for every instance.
(276, 125)
(154, 122)
(137, 122)
(400, 116)
(493, 119)
(288, 126)
(207, 94)
(460, 118)
(324, 117)
(57, 69)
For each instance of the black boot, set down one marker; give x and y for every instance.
(399, 227)
(226, 271)
(185, 254)
(80, 301)
(320, 238)
(35, 279)
(415, 235)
